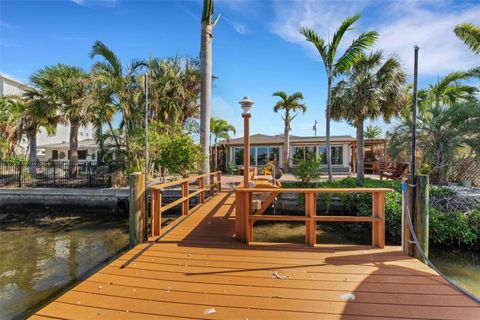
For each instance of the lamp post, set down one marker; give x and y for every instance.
(246, 105)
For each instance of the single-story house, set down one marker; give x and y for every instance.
(87, 151)
(264, 148)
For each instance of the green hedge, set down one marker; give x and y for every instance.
(449, 229)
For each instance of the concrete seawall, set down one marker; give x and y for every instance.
(27, 199)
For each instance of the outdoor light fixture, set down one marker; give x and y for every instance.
(246, 105)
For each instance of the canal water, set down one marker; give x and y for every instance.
(44, 256)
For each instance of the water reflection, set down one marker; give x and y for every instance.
(39, 260)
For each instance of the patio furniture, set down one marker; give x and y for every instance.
(232, 167)
(395, 173)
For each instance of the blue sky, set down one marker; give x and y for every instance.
(257, 49)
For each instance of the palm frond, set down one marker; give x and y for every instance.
(470, 34)
(337, 37)
(317, 41)
(355, 51)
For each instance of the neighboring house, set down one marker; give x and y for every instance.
(11, 87)
(87, 151)
(8, 87)
(264, 148)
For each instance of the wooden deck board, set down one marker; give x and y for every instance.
(199, 267)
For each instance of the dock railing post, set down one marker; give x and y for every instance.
(136, 221)
(201, 186)
(421, 220)
(186, 199)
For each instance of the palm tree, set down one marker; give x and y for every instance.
(65, 88)
(374, 87)
(289, 104)
(206, 80)
(448, 119)
(11, 109)
(220, 130)
(35, 111)
(470, 34)
(174, 89)
(120, 87)
(335, 67)
(373, 132)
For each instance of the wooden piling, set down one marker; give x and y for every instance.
(421, 218)
(136, 221)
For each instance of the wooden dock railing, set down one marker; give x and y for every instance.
(245, 218)
(156, 208)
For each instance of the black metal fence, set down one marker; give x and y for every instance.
(56, 175)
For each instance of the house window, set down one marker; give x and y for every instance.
(82, 154)
(337, 155)
(239, 156)
(262, 156)
(304, 153)
(54, 154)
(238, 151)
(259, 156)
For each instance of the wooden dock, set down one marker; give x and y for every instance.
(199, 271)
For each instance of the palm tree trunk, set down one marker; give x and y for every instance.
(32, 156)
(205, 93)
(73, 141)
(286, 146)
(360, 150)
(327, 130)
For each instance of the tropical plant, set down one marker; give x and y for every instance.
(64, 88)
(206, 80)
(441, 132)
(308, 170)
(374, 87)
(288, 104)
(470, 34)
(174, 88)
(180, 155)
(11, 109)
(220, 129)
(334, 67)
(373, 132)
(35, 112)
(120, 88)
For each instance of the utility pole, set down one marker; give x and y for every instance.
(315, 128)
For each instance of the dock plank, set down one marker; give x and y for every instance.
(199, 271)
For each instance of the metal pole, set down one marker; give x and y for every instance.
(414, 131)
(414, 112)
(146, 125)
(146, 152)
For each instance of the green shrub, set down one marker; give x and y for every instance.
(179, 154)
(452, 228)
(308, 170)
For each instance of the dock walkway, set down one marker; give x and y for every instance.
(199, 271)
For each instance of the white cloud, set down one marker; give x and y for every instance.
(239, 27)
(101, 3)
(440, 50)
(401, 25)
(324, 17)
